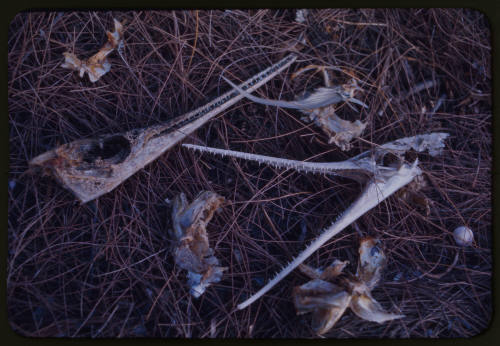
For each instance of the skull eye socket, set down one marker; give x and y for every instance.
(114, 149)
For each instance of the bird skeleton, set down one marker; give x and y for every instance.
(92, 167)
(383, 182)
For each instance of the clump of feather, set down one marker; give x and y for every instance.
(192, 251)
(328, 295)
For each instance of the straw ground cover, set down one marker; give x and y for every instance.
(105, 269)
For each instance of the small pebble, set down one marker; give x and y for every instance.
(463, 236)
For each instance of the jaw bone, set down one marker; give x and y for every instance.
(92, 167)
(384, 182)
(319, 107)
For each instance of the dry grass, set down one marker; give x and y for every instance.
(104, 269)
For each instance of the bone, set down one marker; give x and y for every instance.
(335, 168)
(340, 131)
(97, 65)
(319, 108)
(321, 97)
(92, 167)
(373, 195)
(383, 183)
(364, 163)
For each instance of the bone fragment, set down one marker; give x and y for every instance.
(319, 108)
(340, 131)
(97, 65)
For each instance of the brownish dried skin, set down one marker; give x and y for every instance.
(372, 261)
(316, 293)
(412, 194)
(324, 319)
(328, 301)
(312, 273)
(367, 308)
(97, 65)
(325, 300)
(330, 272)
(92, 167)
(192, 251)
(334, 270)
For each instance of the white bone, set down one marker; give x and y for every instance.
(372, 196)
(89, 177)
(385, 181)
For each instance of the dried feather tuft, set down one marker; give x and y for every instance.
(97, 65)
(192, 251)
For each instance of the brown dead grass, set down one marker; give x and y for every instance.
(104, 269)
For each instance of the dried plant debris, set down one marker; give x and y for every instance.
(192, 251)
(329, 294)
(97, 65)
(318, 105)
(92, 167)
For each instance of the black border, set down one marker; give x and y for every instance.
(489, 8)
